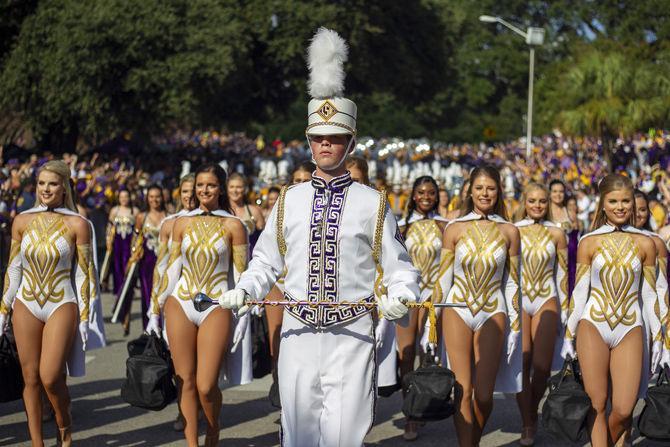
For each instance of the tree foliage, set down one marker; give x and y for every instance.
(88, 71)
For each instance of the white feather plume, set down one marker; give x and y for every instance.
(325, 59)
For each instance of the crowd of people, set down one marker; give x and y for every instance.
(534, 262)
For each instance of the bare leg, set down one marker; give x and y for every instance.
(213, 339)
(57, 336)
(406, 342)
(275, 315)
(182, 335)
(458, 339)
(525, 397)
(594, 361)
(488, 345)
(625, 370)
(544, 330)
(28, 334)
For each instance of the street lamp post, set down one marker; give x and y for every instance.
(533, 37)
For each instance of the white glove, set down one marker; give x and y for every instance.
(665, 358)
(240, 330)
(258, 311)
(234, 299)
(512, 343)
(3, 322)
(656, 355)
(392, 308)
(83, 331)
(380, 332)
(153, 325)
(564, 319)
(568, 349)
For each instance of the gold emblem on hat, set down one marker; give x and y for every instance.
(327, 110)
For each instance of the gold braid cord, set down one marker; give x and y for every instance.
(379, 227)
(281, 203)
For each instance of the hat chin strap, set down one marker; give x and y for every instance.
(344, 157)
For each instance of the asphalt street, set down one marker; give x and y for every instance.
(102, 418)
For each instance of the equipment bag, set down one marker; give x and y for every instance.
(428, 392)
(149, 380)
(567, 406)
(11, 378)
(654, 419)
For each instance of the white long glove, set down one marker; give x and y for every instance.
(234, 300)
(380, 332)
(568, 349)
(83, 331)
(153, 325)
(392, 308)
(512, 343)
(3, 322)
(240, 330)
(656, 355)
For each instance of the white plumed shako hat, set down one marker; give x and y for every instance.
(328, 113)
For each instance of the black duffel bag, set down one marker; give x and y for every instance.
(11, 378)
(428, 392)
(654, 421)
(149, 380)
(565, 411)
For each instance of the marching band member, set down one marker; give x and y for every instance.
(612, 312)
(479, 267)
(544, 298)
(119, 242)
(422, 230)
(51, 284)
(186, 204)
(328, 235)
(209, 250)
(275, 314)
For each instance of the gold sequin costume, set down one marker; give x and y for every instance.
(202, 263)
(616, 293)
(423, 240)
(544, 269)
(480, 274)
(124, 225)
(46, 270)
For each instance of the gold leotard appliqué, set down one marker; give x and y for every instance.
(477, 286)
(43, 281)
(201, 258)
(536, 270)
(423, 250)
(617, 298)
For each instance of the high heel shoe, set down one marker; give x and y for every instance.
(64, 437)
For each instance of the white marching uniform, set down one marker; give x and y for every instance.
(480, 274)
(327, 232)
(202, 263)
(45, 271)
(616, 293)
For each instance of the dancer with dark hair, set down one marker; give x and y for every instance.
(422, 230)
(209, 250)
(479, 267)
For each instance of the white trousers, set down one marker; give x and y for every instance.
(327, 383)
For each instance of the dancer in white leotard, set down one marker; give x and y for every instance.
(208, 253)
(544, 293)
(51, 285)
(479, 268)
(612, 311)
